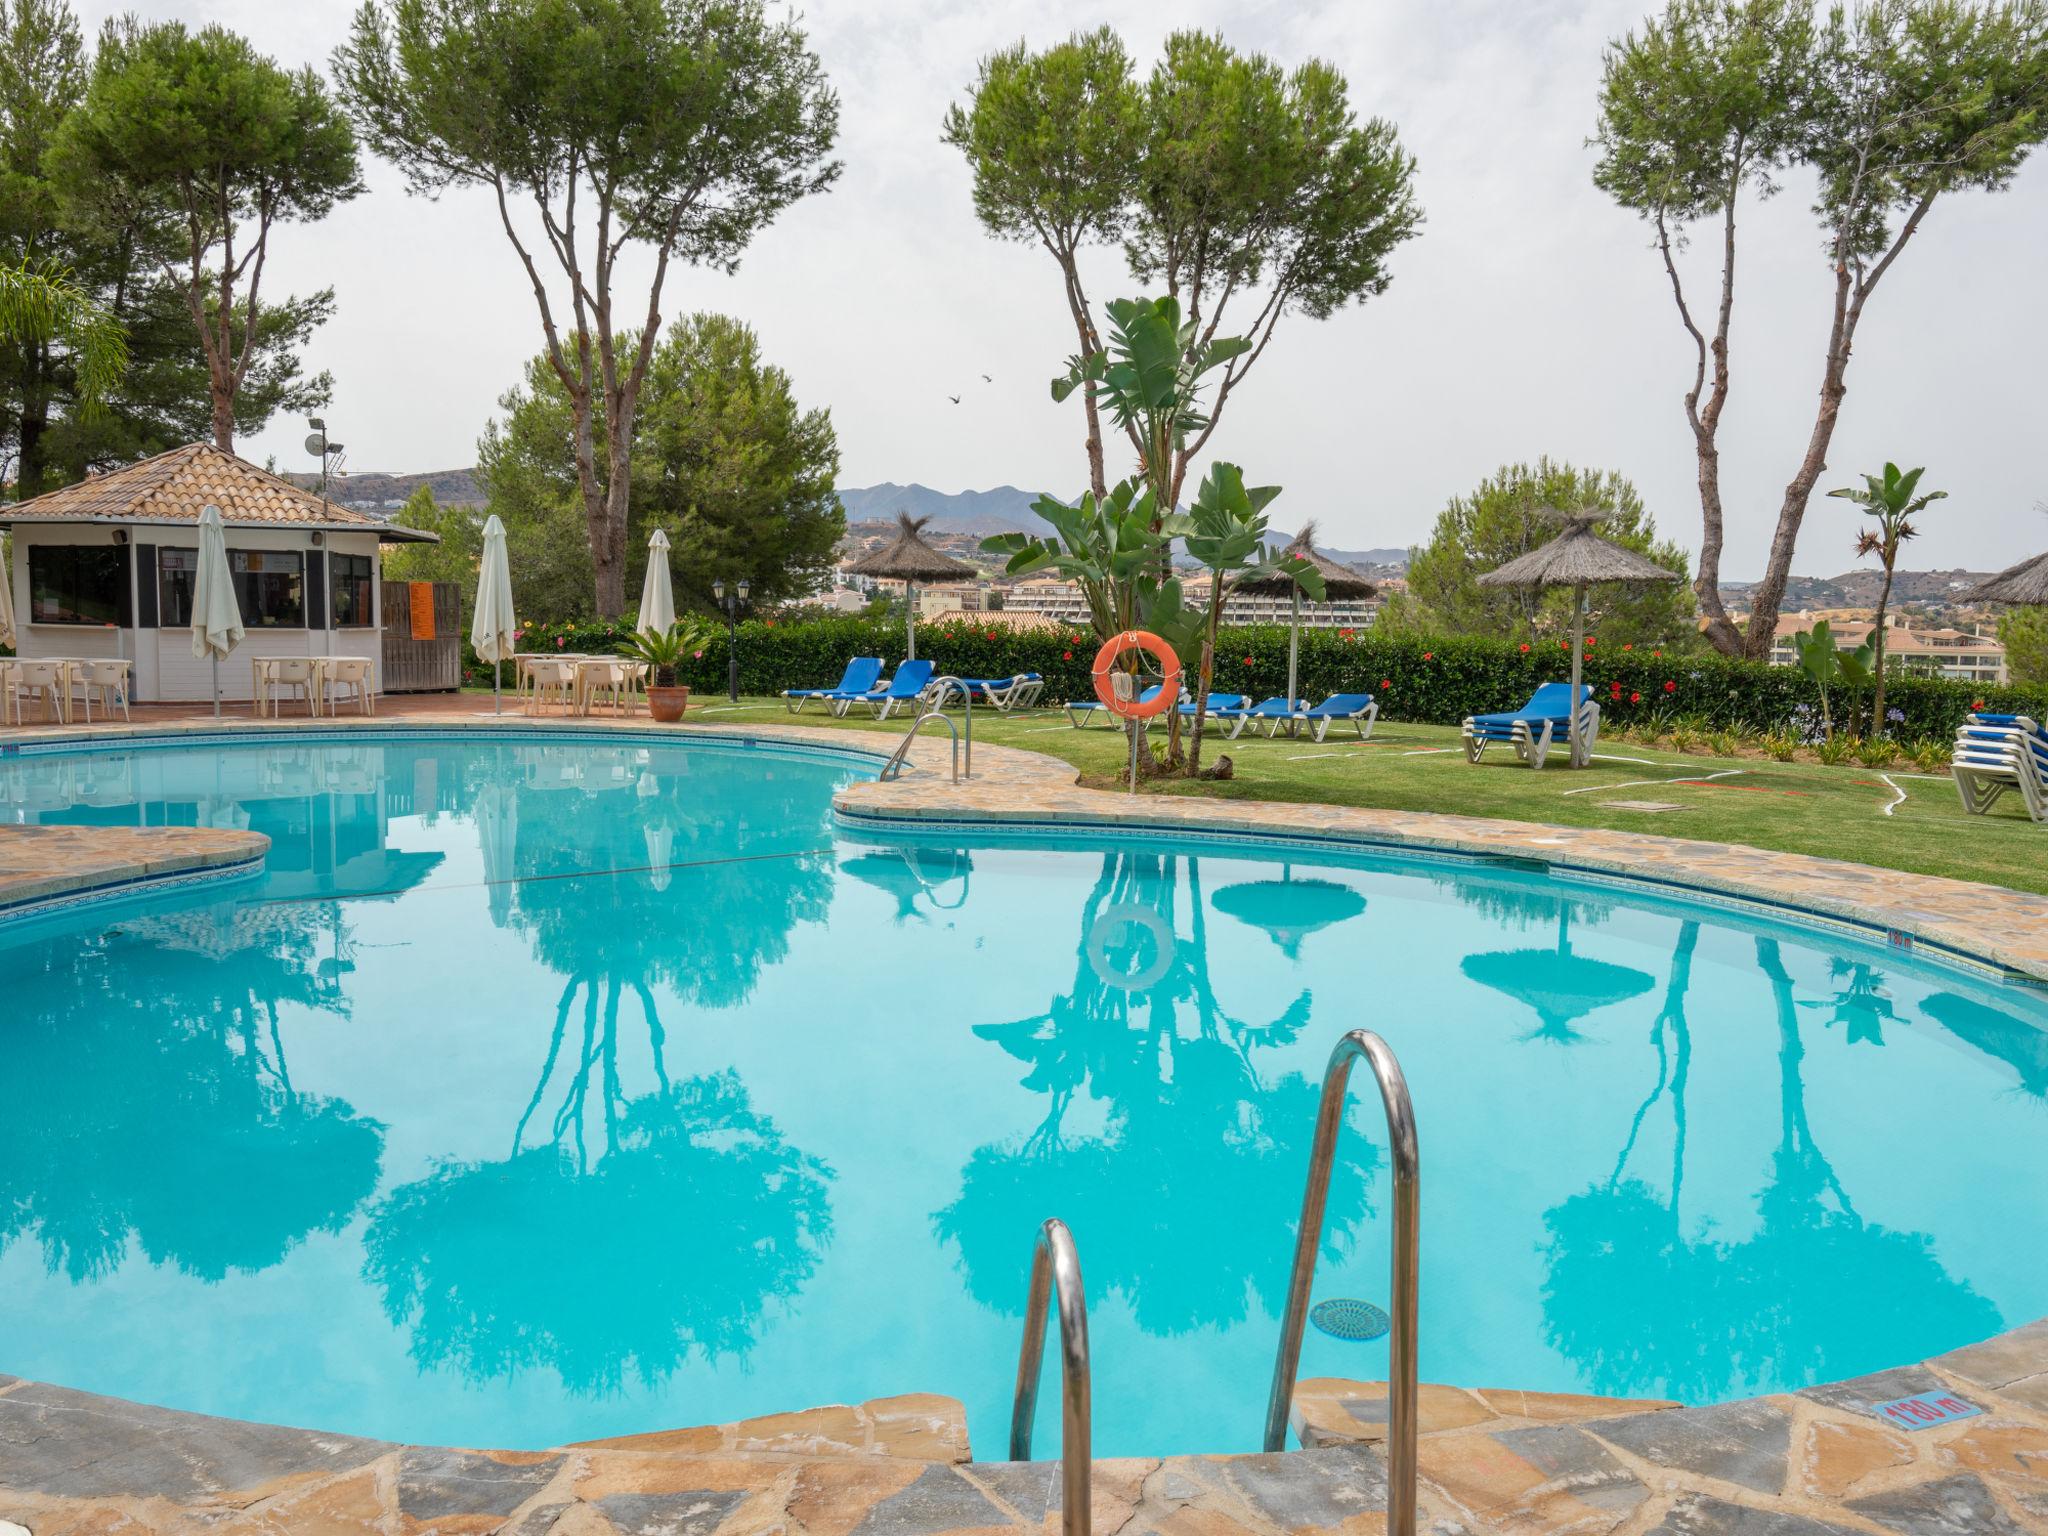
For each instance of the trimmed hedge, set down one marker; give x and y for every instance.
(1433, 681)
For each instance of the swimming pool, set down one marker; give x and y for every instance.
(541, 1090)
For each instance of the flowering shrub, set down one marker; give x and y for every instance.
(1433, 680)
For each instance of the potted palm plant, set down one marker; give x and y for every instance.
(664, 651)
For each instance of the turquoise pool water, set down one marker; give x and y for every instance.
(546, 1091)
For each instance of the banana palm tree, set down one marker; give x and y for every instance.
(41, 303)
(1891, 500)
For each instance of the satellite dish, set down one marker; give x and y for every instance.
(316, 444)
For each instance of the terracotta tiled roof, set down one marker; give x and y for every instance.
(173, 487)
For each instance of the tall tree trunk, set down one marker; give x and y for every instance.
(1854, 285)
(31, 459)
(1091, 342)
(1204, 674)
(1884, 601)
(608, 553)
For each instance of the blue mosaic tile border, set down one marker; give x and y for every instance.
(64, 903)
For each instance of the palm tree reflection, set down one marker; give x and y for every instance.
(1184, 1199)
(692, 1216)
(150, 1097)
(1641, 1306)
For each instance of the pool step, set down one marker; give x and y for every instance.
(1330, 1410)
(916, 1426)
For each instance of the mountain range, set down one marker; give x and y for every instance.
(1008, 510)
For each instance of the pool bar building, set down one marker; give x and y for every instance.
(103, 570)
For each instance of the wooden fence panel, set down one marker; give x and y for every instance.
(422, 666)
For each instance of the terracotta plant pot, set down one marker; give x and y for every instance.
(667, 704)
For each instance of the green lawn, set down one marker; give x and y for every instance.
(1799, 807)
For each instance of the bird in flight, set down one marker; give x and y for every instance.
(954, 398)
(986, 379)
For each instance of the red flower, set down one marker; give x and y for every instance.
(1978, 705)
(1670, 687)
(1635, 698)
(1386, 682)
(1525, 645)
(769, 622)
(1658, 654)
(696, 655)
(560, 641)
(1589, 641)
(1628, 645)
(1066, 655)
(1564, 645)
(990, 635)
(1429, 655)
(1247, 661)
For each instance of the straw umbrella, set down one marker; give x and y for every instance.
(1578, 558)
(908, 559)
(216, 616)
(657, 592)
(491, 631)
(2026, 582)
(6, 600)
(1340, 584)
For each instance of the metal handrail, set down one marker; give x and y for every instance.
(1402, 1391)
(935, 709)
(1056, 1277)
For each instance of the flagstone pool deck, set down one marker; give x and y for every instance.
(1814, 1463)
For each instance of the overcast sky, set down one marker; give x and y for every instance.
(1529, 317)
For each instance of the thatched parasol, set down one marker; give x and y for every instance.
(908, 559)
(2026, 582)
(1340, 584)
(1578, 558)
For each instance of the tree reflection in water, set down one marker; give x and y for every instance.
(150, 1096)
(1184, 1202)
(1816, 1292)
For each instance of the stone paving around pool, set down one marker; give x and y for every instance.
(1494, 1463)
(1822, 1462)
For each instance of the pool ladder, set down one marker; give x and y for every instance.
(935, 697)
(1056, 1282)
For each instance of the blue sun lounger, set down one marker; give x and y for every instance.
(1221, 705)
(1268, 713)
(1361, 709)
(1996, 753)
(1538, 725)
(1006, 695)
(862, 673)
(909, 683)
(1081, 712)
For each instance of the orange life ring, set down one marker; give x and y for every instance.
(1169, 681)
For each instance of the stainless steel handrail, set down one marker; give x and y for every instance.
(935, 709)
(1056, 1277)
(1402, 1392)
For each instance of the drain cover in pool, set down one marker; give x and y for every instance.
(1342, 1318)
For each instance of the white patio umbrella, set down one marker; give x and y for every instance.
(657, 592)
(491, 631)
(216, 616)
(6, 599)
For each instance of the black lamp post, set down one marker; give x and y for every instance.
(732, 601)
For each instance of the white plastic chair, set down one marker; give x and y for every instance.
(551, 681)
(108, 679)
(49, 679)
(293, 673)
(351, 673)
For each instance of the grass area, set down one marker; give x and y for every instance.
(1798, 807)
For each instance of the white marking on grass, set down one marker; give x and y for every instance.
(1302, 757)
(1427, 751)
(1725, 773)
(1040, 730)
(1900, 793)
(1607, 757)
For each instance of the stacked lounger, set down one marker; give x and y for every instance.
(1996, 753)
(1537, 726)
(1006, 695)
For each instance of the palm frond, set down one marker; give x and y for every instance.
(42, 304)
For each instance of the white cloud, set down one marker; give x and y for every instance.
(1530, 316)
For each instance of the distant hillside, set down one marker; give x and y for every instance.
(1859, 589)
(371, 490)
(1008, 510)
(1002, 510)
